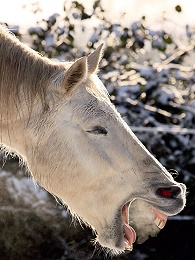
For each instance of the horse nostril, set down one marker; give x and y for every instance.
(171, 192)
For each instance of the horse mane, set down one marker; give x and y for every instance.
(24, 74)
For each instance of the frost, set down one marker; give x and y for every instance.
(25, 190)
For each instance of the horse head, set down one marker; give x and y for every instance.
(91, 160)
(81, 150)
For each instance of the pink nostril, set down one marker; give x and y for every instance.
(171, 192)
(165, 193)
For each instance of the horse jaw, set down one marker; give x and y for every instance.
(143, 220)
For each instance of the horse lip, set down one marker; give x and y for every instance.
(128, 231)
(112, 235)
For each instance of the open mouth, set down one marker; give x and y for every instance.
(128, 231)
(159, 218)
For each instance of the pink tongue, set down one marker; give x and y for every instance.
(129, 232)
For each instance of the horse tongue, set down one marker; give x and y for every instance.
(129, 232)
(129, 236)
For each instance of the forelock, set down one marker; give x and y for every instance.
(96, 88)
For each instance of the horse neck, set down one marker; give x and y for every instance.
(24, 81)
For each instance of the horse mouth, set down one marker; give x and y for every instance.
(129, 232)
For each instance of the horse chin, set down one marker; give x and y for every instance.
(111, 236)
(119, 235)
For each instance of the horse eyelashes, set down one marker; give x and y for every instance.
(98, 130)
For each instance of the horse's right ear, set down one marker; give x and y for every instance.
(75, 74)
(94, 59)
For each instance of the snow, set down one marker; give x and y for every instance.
(23, 189)
(164, 129)
(18, 187)
(182, 218)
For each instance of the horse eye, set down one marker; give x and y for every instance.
(98, 130)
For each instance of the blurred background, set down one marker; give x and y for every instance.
(148, 69)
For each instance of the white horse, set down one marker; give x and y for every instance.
(59, 119)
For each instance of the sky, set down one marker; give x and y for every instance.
(12, 11)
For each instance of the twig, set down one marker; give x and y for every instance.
(163, 129)
(148, 107)
(174, 56)
(189, 109)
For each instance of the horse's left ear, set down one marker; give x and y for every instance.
(94, 59)
(76, 74)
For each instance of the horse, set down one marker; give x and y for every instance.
(58, 117)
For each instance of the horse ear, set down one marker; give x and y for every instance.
(75, 74)
(94, 59)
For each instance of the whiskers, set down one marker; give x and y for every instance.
(105, 252)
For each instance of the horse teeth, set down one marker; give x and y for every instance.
(160, 223)
(129, 247)
(157, 221)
